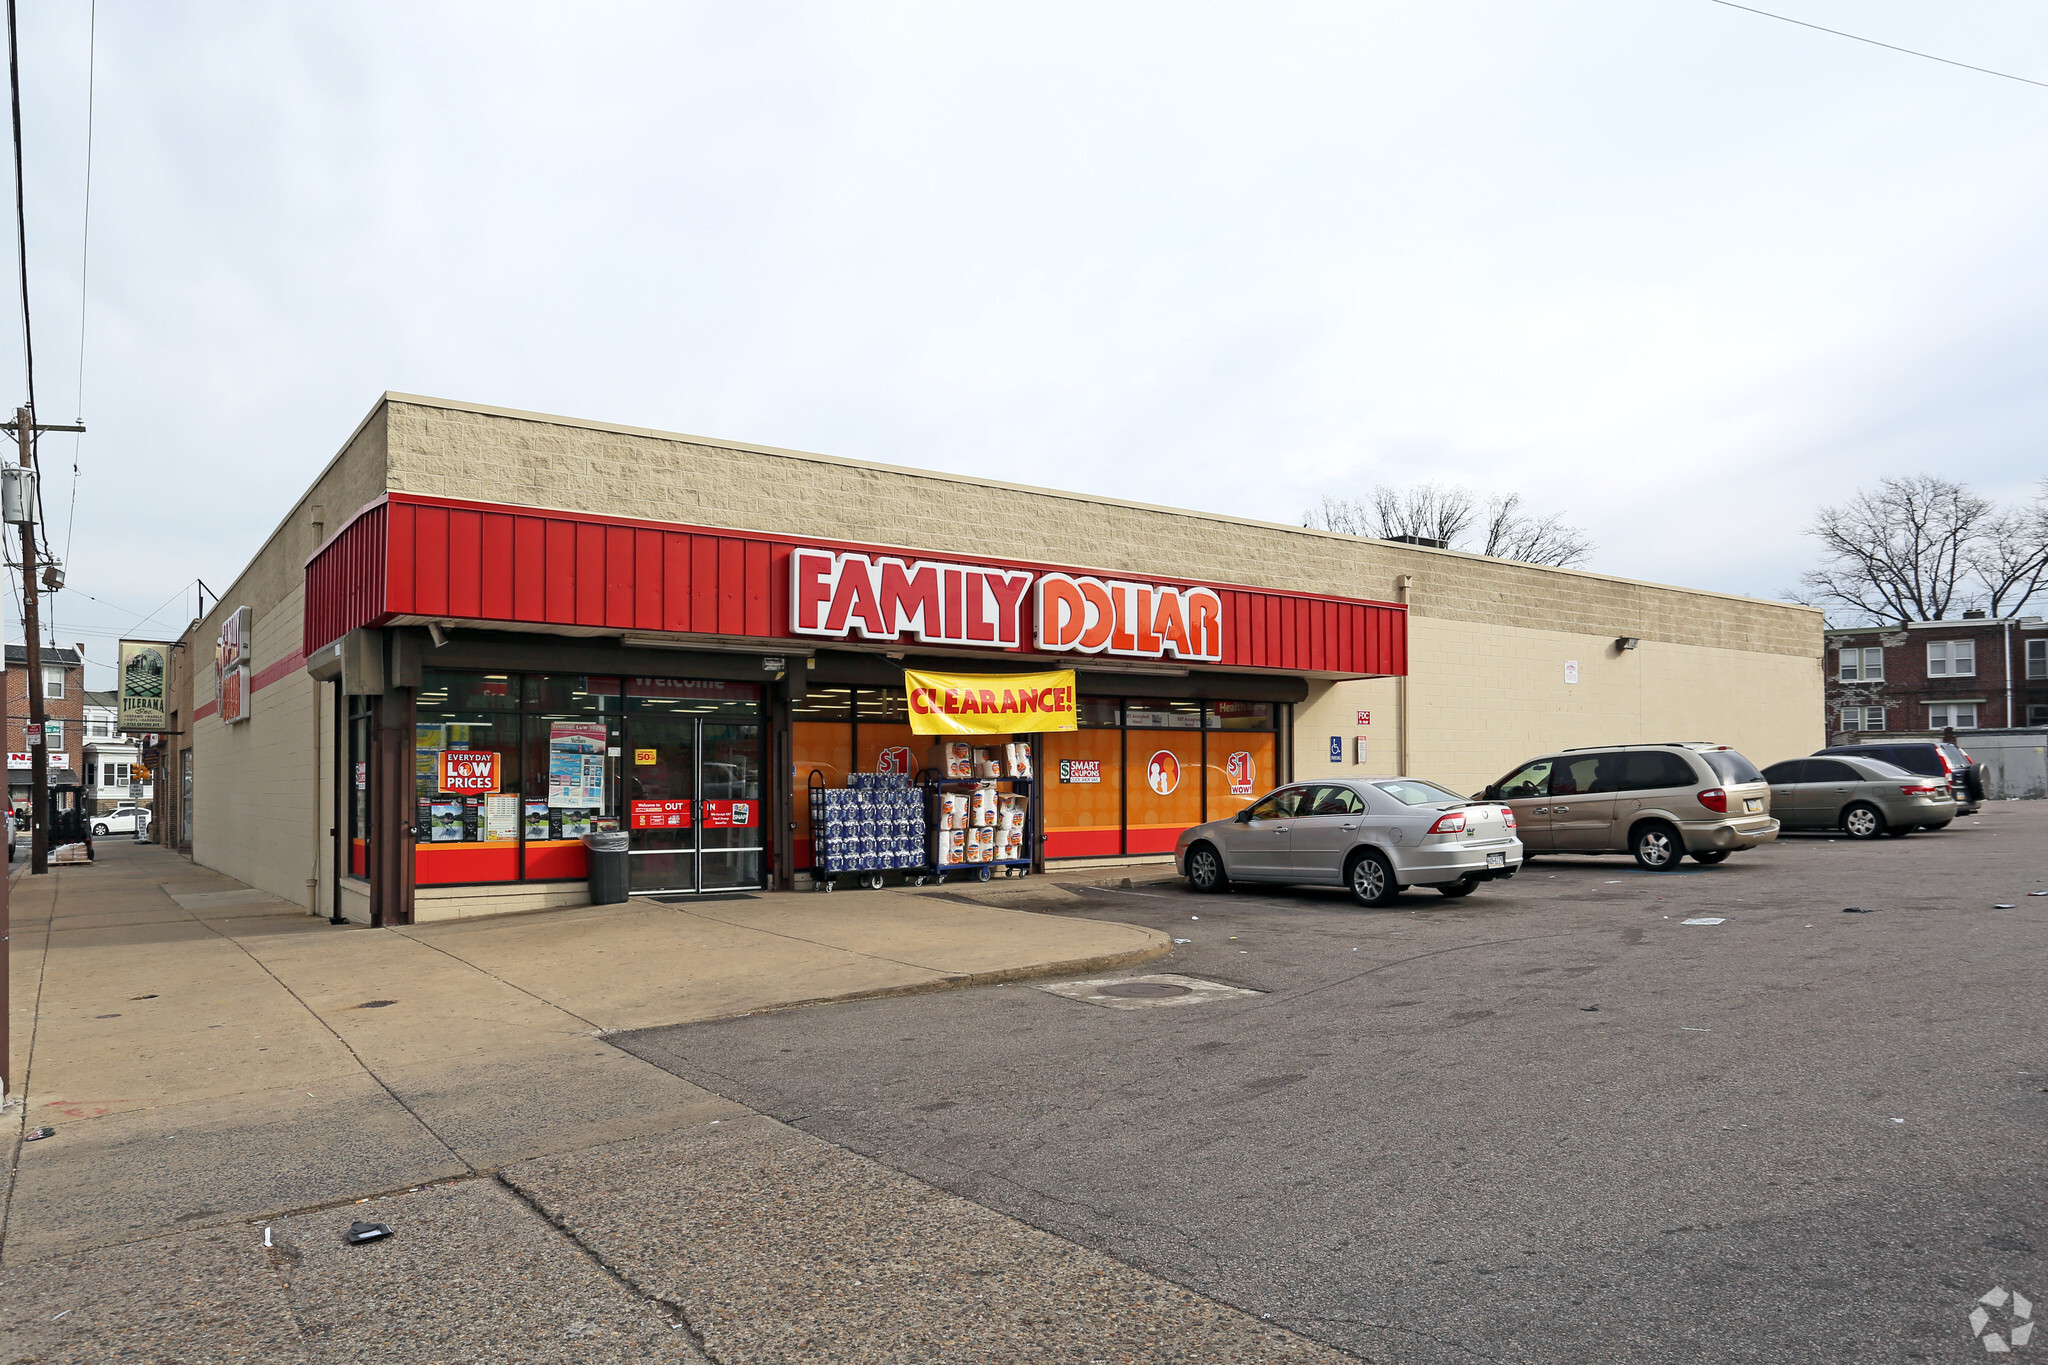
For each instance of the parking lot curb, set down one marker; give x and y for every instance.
(1159, 946)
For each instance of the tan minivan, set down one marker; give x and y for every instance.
(1657, 801)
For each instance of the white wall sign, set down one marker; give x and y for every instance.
(1571, 670)
(840, 595)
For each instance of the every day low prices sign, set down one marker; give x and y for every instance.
(991, 703)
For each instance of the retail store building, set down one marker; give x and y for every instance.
(483, 632)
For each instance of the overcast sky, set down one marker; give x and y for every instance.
(1679, 272)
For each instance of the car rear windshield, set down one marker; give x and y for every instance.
(1413, 793)
(1956, 756)
(1731, 767)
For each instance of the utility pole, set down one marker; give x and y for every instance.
(24, 428)
(38, 746)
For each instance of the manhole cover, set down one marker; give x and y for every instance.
(1144, 990)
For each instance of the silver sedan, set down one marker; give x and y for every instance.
(1377, 836)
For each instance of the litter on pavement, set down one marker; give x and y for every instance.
(2004, 905)
(1183, 940)
(1705, 919)
(38, 1134)
(358, 1233)
(2038, 893)
(1854, 910)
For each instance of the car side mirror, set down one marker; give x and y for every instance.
(1243, 817)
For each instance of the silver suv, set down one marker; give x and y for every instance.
(1657, 801)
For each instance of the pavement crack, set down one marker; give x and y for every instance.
(510, 985)
(677, 1316)
(35, 1018)
(348, 1047)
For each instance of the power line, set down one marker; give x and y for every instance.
(28, 350)
(1857, 37)
(92, 50)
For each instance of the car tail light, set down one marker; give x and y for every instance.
(1454, 823)
(1507, 816)
(1923, 790)
(1715, 799)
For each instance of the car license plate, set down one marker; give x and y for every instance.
(1496, 860)
(1752, 804)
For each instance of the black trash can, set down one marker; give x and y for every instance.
(606, 852)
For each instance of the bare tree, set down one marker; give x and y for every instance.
(1513, 534)
(1920, 548)
(1445, 513)
(2010, 559)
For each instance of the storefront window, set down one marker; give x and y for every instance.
(1163, 715)
(1099, 713)
(572, 737)
(1172, 764)
(466, 779)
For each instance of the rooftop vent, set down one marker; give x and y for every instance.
(1974, 614)
(1422, 540)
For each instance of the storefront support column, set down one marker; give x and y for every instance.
(781, 777)
(396, 809)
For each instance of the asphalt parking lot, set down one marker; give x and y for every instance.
(1549, 1122)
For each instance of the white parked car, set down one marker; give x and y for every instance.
(120, 820)
(1376, 836)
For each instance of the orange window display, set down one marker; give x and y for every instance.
(1165, 768)
(1241, 769)
(884, 741)
(1083, 802)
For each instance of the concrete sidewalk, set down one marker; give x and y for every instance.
(209, 1053)
(233, 1082)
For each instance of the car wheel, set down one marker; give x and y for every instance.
(1863, 822)
(99, 831)
(1657, 847)
(1371, 880)
(1464, 886)
(1205, 870)
(1711, 856)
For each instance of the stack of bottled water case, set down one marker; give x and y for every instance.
(876, 824)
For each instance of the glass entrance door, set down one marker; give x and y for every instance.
(693, 814)
(660, 763)
(730, 827)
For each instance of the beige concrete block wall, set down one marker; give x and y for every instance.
(1484, 698)
(466, 902)
(454, 450)
(261, 807)
(262, 790)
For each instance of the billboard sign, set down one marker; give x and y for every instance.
(144, 668)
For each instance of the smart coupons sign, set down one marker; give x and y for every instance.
(844, 595)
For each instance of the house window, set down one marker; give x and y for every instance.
(2037, 715)
(2037, 658)
(1863, 718)
(1862, 664)
(1961, 714)
(113, 774)
(1952, 659)
(99, 727)
(53, 681)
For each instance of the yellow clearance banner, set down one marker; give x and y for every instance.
(991, 703)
